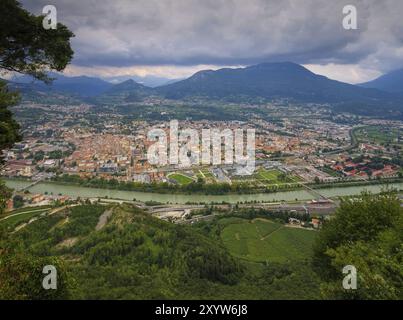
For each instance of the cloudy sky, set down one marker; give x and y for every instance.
(175, 38)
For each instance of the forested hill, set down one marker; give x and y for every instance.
(270, 80)
(122, 252)
(136, 256)
(389, 82)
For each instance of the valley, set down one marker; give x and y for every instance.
(164, 258)
(201, 157)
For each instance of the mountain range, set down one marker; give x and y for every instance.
(270, 81)
(391, 82)
(82, 86)
(267, 81)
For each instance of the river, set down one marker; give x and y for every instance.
(77, 191)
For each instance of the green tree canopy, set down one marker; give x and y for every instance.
(8, 126)
(5, 194)
(26, 47)
(366, 232)
(21, 277)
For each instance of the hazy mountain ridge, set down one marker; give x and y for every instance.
(126, 91)
(81, 86)
(267, 81)
(270, 80)
(390, 82)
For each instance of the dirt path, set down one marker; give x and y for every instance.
(23, 212)
(67, 243)
(47, 212)
(270, 233)
(103, 219)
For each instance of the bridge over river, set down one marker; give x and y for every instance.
(30, 185)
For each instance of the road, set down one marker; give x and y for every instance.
(24, 212)
(55, 210)
(181, 210)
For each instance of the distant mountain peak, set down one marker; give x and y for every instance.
(83, 86)
(201, 74)
(253, 84)
(127, 85)
(131, 81)
(276, 64)
(389, 82)
(278, 80)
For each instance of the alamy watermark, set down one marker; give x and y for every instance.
(349, 21)
(186, 147)
(50, 280)
(50, 19)
(350, 18)
(350, 280)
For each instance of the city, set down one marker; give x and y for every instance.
(201, 158)
(309, 149)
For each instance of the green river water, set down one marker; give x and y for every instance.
(75, 191)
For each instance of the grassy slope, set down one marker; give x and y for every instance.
(270, 177)
(262, 241)
(377, 134)
(136, 256)
(19, 217)
(180, 178)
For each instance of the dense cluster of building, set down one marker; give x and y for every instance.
(311, 147)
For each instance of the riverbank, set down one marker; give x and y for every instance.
(213, 189)
(75, 191)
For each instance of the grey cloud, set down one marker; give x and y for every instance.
(230, 32)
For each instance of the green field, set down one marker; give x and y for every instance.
(262, 240)
(378, 135)
(21, 217)
(273, 176)
(151, 258)
(180, 178)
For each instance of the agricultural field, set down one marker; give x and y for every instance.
(379, 135)
(252, 181)
(180, 178)
(274, 176)
(262, 240)
(134, 245)
(21, 216)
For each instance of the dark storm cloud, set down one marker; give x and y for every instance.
(230, 32)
